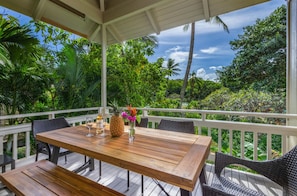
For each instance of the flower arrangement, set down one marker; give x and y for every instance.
(131, 115)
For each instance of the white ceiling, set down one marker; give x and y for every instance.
(123, 19)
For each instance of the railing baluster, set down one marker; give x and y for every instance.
(242, 143)
(220, 140)
(269, 152)
(199, 130)
(255, 138)
(285, 139)
(231, 141)
(1, 144)
(15, 146)
(28, 147)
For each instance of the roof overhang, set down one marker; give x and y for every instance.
(123, 19)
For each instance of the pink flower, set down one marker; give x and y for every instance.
(124, 115)
(132, 118)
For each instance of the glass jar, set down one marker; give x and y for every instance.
(131, 131)
(99, 124)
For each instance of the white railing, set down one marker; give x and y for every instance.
(201, 122)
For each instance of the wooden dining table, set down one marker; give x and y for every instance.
(172, 157)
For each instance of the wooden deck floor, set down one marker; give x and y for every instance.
(116, 178)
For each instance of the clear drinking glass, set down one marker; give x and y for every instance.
(89, 123)
(103, 134)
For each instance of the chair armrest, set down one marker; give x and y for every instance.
(41, 145)
(272, 169)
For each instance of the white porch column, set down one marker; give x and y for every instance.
(291, 65)
(103, 69)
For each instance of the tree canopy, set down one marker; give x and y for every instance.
(260, 60)
(23, 76)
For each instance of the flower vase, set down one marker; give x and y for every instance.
(131, 131)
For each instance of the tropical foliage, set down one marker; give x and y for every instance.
(23, 77)
(260, 60)
(62, 71)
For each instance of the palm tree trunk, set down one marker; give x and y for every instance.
(190, 57)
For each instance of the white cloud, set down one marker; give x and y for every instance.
(209, 50)
(224, 50)
(211, 76)
(176, 48)
(179, 56)
(164, 64)
(201, 73)
(215, 67)
(162, 42)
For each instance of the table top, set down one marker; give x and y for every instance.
(172, 157)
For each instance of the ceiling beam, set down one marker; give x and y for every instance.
(59, 25)
(95, 33)
(206, 10)
(153, 21)
(115, 33)
(92, 12)
(129, 8)
(39, 10)
(102, 6)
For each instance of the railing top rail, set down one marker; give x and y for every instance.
(262, 114)
(46, 113)
(203, 112)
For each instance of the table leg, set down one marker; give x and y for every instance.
(89, 164)
(55, 155)
(92, 164)
(13, 164)
(202, 177)
(184, 192)
(202, 181)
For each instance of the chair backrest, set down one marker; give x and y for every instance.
(287, 166)
(178, 126)
(39, 126)
(143, 122)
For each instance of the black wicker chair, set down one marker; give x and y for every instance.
(39, 126)
(143, 122)
(282, 171)
(170, 125)
(179, 126)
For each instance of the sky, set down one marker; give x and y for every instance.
(212, 50)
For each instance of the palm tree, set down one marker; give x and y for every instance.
(15, 40)
(19, 54)
(73, 86)
(195, 83)
(216, 20)
(172, 68)
(21, 74)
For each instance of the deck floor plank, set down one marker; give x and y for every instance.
(116, 178)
